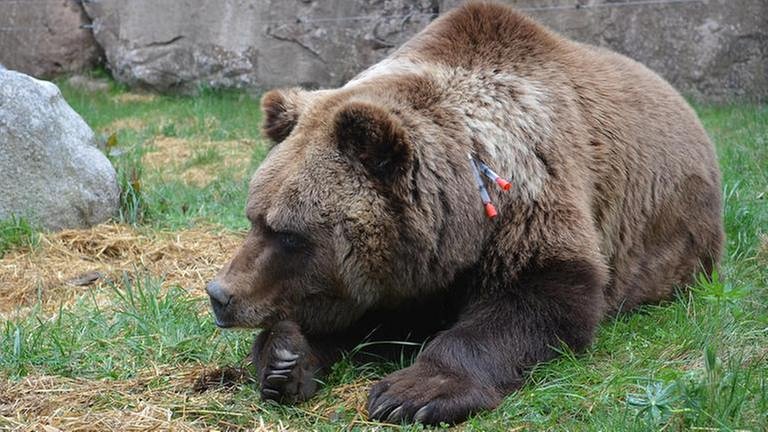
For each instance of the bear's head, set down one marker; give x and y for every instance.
(361, 202)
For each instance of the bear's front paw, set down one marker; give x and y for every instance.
(429, 395)
(286, 365)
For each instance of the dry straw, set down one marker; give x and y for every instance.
(53, 403)
(159, 399)
(56, 270)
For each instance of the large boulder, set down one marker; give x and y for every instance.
(46, 38)
(50, 169)
(186, 44)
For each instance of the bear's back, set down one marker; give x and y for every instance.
(639, 148)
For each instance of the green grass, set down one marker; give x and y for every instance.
(695, 363)
(211, 116)
(205, 157)
(236, 114)
(16, 232)
(139, 327)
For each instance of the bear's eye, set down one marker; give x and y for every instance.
(290, 241)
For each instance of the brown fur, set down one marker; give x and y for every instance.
(365, 215)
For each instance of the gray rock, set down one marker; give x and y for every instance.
(50, 170)
(45, 38)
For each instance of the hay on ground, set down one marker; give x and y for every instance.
(158, 399)
(59, 268)
(352, 396)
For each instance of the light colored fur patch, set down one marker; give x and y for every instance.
(508, 126)
(509, 129)
(390, 66)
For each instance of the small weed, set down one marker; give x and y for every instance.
(207, 156)
(655, 404)
(132, 201)
(716, 396)
(714, 288)
(169, 130)
(713, 397)
(16, 232)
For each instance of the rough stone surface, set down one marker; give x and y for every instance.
(50, 169)
(712, 50)
(254, 44)
(88, 84)
(44, 38)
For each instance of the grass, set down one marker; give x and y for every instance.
(136, 350)
(135, 126)
(16, 232)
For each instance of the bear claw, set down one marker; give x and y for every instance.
(422, 414)
(278, 375)
(425, 394)
(385, 408)
(287, 368)
(285, 355)
(278, 378)
(270, 392)
(396, 415)
(284, 364)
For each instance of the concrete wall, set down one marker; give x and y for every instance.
(44, 38)
(712, 50)
(249, 43)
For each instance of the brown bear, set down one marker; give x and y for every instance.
(366, 220)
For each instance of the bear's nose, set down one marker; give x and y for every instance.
(219, 297)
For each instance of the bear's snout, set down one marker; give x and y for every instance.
(220, 301)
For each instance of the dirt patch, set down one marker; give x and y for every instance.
(226, 377)
(199, 176)
(175, 157)
(762, 253)
(65, 263)
(134, 97)
(164, 152)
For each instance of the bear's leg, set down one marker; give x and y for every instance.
(685, 237)
(508, 329)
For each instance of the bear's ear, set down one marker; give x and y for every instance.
(373, 136)
(281, 110)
